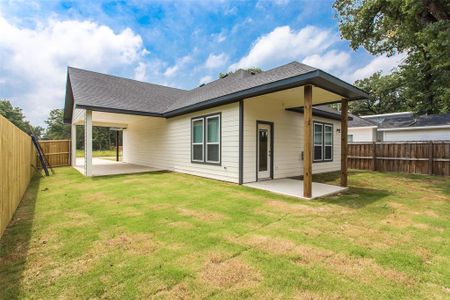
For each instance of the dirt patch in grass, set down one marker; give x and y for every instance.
(233, 272)
(179, 291)
(136, 244)
(310, 295)
(181, 224)
(294, 208)
(97, 196)
(354, 267)
(201, 215)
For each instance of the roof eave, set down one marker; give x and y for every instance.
(118, 110)
(316, 77)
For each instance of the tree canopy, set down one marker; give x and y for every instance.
(16, 116)
(420, 29)
(254, 70)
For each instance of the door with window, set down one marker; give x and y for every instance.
(264, 149)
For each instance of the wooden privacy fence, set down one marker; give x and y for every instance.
(410, 157)
(56, 152)
(17, 164)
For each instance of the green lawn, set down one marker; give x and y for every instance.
(99, 153)
(169, 235)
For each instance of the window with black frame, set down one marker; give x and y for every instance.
(205, 142)
(323, 142)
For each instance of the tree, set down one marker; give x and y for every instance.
(15, 115)
(386, 95)
(420, 28)
(253, 70)
(56, 129)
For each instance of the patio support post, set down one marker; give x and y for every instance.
(117, 145)
(73, 145)
(307, 149)
(88, 143)
(344, 133)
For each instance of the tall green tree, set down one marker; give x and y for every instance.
(56, 129)
(16, 116)
(386, 95)
(419, 28)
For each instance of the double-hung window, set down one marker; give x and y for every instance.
(206, 135)
(323, 142)
(197, 140)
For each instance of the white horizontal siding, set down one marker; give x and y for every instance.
(288, 139)
(362, 134)
(417, 135)
(166, 144)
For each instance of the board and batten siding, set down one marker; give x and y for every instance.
(288, 139)
(166, 144)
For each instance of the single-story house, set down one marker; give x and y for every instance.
(243, 128)
(399, 127)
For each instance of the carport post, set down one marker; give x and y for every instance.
(73, 145)
(88, 143)
(344, 132)
(307, 145)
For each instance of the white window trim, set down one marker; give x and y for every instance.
(213, 143)
(324, 143)
(196, 144)
(314, 140)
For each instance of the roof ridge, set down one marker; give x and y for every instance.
(125, 78)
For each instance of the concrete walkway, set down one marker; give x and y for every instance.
(104, 167)
(294, 188)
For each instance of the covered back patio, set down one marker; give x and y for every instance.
(89, 165)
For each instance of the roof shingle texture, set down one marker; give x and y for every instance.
(101, 90)
(405, 120)
(95, 89)
(359, 122)
(239, 81)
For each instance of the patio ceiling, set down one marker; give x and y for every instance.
(104, 119)
(294, 97)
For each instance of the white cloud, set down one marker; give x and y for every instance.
(330, 61)
(34, 60)
(381, 63)
(219, 37)
(215, 61)
(284, 44)
(140, 72)
(205, 79)
(170, 71)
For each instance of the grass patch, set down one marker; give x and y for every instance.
(169, 235)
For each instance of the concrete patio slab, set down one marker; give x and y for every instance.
(104, 167)
(294, 187)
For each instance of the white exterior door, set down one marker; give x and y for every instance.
(264, 154)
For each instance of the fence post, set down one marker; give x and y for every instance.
(431, 157)
(374, 156)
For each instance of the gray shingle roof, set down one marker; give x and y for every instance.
(94, 89)
(239, 81)
(360, 122)
(408, 120)
(91, 90)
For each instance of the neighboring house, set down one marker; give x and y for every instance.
(242, 128)
(360, 130)
(403, 126)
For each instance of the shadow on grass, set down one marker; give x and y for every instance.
(106, 177)
(15, 242)
(356, 197)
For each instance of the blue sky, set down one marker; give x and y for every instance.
(176, 43)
